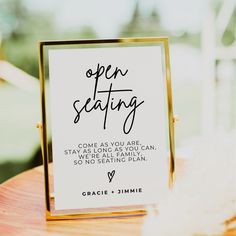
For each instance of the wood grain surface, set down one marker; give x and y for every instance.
(22, 212)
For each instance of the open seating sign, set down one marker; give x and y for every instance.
(107, 114)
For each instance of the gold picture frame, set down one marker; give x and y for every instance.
(51, 214)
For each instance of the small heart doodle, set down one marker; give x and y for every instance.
(111, 175)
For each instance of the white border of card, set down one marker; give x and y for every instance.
(107, 126)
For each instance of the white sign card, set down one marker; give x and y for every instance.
(109, 126)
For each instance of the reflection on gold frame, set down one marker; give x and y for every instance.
(51, 214)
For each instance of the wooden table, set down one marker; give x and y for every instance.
(22, 213)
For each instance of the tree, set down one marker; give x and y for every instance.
(21, 29)
(140, 25)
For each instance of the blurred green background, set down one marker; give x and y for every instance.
(203, 53)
